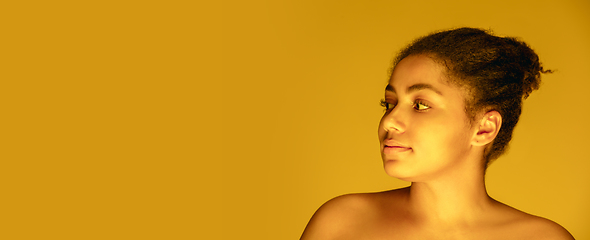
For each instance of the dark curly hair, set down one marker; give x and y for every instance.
(497, 73)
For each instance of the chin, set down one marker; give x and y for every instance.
(393, 169)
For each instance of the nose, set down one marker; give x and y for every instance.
(393, 121)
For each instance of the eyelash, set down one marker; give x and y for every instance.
(417, 103)
(386, 105)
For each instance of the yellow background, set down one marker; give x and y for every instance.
(238, 119)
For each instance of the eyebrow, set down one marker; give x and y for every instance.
(415, 87)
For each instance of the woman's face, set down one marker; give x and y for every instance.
(425, 132)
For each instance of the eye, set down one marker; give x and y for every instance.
(420, 106)
(386, 105)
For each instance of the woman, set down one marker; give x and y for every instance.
(452, 102)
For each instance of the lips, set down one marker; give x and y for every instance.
(391, 146)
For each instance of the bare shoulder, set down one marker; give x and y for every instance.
(332, 219)
(534, 227)
(342, 215)
(542, 228)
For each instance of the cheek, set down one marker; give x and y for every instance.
(442, 134)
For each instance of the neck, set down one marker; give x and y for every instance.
(460, 198)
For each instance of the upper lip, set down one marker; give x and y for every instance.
(393, 143)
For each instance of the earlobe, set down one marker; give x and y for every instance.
(488, 128)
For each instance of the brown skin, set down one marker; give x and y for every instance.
(427, 139)
(387, 215)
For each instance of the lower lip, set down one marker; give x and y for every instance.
(391, 150)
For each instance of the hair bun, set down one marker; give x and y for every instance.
(530, 66)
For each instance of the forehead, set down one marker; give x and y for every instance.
(417, 70)
(422, 75)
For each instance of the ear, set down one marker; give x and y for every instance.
(487, 129)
